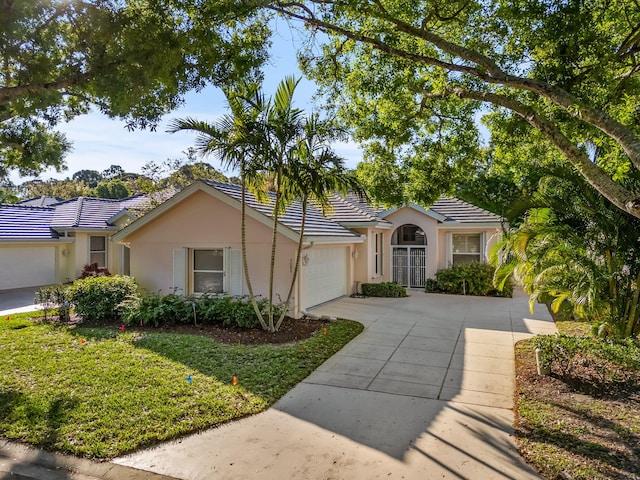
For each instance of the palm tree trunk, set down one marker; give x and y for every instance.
(631, 319)
(272, 266)
(243, 243)
(296, 269)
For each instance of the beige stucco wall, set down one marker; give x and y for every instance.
(202, 221)
(409, 216)
(491, 236)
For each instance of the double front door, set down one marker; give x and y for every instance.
(410, 266)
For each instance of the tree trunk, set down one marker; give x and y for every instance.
(296, 269)
(243, 243)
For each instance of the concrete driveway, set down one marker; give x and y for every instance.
(18, 300)
(426, 391)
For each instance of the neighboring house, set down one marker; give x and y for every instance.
(190, 244)
(45, 240)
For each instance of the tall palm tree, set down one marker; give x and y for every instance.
(284, 125)
(314, 174)
(238, 140)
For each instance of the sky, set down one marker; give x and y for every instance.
(99, 142)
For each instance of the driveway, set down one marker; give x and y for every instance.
(425, 391)
(18, 300)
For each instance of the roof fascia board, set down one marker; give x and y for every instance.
(467, 226)
(17, 241)
(380, 225)
(329, 240)
(431, 213)
(108, 229)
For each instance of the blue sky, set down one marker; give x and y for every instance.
(99, 142)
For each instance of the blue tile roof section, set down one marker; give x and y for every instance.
(87, 212)
(457, 210)
(42, 201)
(26, 222)
(316, 224)
(22, 221)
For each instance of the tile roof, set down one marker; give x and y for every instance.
(456, 210)
(315, 225)
(88, 212)
(42, 201)
(26, 222)
(23, 221)
(351, 209)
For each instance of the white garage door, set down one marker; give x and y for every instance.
(27, 266)
(326, 275)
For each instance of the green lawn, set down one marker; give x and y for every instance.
(99, 392)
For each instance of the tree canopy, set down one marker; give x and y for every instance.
(411, 80)
(131, 59)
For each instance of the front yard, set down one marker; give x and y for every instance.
(581, 422)
(101, 392)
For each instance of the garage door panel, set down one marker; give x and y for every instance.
(27, 267)
(326, 275)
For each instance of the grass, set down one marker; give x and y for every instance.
(576, 432)
(100, 393)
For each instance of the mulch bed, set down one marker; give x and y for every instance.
(579, 432)
(291, 330)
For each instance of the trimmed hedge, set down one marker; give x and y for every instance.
(386, 289)
(157, 309)
(468, 279)
(100, 298)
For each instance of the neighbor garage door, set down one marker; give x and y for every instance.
(27, 266)
(326, 275)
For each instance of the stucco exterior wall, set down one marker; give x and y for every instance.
(491, 236)
(201, 221)
(409, 216)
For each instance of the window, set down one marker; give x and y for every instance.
(466, 248)
(208, 271)
(412, 235)
(378, 239)
(98, 251)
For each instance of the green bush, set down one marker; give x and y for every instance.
(101, 298)
(469, 279)
(598, 362)
(157, 309)
(232, 311)
(54, 297)
(386, 289)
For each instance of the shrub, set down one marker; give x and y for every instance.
(232, 311)
(54, 297)
(469, 279)
(101, 298)
(156, 309)
(604, 365)
(93, 270)
(386, 289)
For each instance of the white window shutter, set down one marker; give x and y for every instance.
(234, 272)
(483, 247)
(180, 271)
(449, 242)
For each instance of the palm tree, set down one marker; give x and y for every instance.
(238, 140)
(314, 175)
(575, 247)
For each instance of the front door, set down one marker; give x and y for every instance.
(410, 266)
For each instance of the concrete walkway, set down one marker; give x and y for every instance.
(426, 391)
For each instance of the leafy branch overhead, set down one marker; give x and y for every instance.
(411, 78)
(130, 59)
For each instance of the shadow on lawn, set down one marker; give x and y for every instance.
(17, 407)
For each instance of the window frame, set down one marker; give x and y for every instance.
(104, 251)
(193, 270)
(467, 253)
